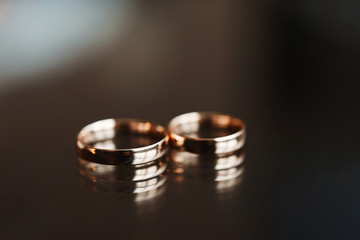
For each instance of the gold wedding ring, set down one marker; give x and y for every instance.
(190, 132)
(97, 142)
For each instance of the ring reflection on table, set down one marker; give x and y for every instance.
(224, 170)
(122, 172)
(144, 180)
(215, 162)
(123, 187)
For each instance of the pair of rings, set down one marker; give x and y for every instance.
(185, 132)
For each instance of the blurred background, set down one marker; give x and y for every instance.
(289, 69)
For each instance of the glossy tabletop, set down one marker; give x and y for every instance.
(288, 73)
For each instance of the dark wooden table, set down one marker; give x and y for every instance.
(287, 72)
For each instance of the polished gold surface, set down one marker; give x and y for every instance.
(207, 132)
(100, 142)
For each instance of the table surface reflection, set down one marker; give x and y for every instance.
(289, 80)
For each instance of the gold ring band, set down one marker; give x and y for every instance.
(90, 136)
(184, 129)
